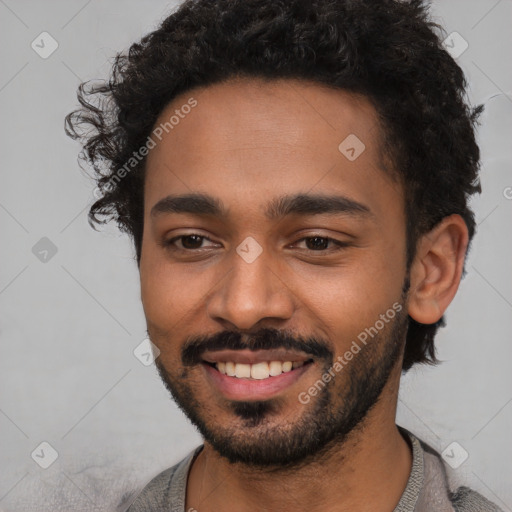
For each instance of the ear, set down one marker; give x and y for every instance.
(437, 269)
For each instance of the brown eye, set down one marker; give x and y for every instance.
(191, 242)
(322, 244)
(317, 242)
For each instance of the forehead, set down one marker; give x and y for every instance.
(248, 141)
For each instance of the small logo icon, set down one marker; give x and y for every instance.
(44, 455)
(455, 45)
(351, 147)
(44, 250)
(146, 352)
(455, 455)
(44, 45)
(249, 249)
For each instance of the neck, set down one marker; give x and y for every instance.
(368, 471)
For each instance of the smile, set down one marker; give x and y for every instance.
(257, 371)
(254, 374)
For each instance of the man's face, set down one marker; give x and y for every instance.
(264, 274)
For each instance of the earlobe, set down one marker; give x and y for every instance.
(437, 269)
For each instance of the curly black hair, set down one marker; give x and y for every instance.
(390, 51)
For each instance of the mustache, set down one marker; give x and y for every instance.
(264, 339)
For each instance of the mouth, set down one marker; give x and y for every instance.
(256, 371)
(258, 380)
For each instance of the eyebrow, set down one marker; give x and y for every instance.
(278, 208)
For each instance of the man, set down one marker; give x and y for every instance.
(295, 177)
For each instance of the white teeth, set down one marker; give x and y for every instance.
(242, 370)
(230, 369)
(276, 368)
(287, 366)
(258, 371)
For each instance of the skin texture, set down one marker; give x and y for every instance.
(245, 143)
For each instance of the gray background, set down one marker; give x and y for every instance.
(69, 325)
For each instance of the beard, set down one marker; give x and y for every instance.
(261, 435)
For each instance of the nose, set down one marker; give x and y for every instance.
(251, 292)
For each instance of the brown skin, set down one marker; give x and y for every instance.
(245, 143)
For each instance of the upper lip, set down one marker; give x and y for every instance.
(252, 357)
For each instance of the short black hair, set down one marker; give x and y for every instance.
(390, 51)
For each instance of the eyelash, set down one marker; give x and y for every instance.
(169, 244)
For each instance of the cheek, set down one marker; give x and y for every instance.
(166, 303)
(165, 296)
(173, 294)
(158, 288)
(348, 299)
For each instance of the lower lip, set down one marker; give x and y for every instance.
(234, 388)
